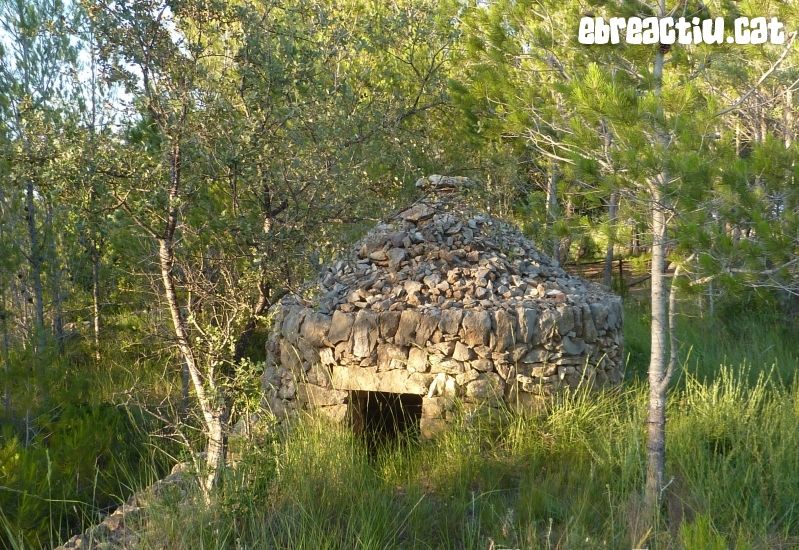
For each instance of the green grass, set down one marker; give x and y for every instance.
(78, 440)
(570, 479)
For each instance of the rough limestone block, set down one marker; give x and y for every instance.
(290, 357)
(326, 357)
(525, 402)
(599, 312)
(450, 321)
(364, 333)
(466, 377)
(462, 352)
(573, 346)
(565, 319)
(391, 356)
(427, 325)
(504, 335)
(308, 353)
(483, 365)
(315, 328)
(436, 407)
(535, 370)
(319, 375)
(447, 366)
(437, 386)
(516, 354)
(319, 397)
(589, 329)
(389, 321)
(288, 389)
(476, 327)
(406, 330)
(276, 406)
(444, 348)
(343, 350)
(577, 311)
(536, 355)
(528, 324)
(431, 427)
(417, 213)
(547, 322)
(527, 383)
(271, 376)
(340, 327)
(292, 322)
(615, 314)
(505, 371)
(336, 413)
(395, 257)
(488, 386)
(417, 360)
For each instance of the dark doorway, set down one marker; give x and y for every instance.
(382, 417)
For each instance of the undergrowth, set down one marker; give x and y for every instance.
(571, 478)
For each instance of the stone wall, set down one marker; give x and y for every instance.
(448, 303)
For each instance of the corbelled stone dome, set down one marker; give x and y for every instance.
(443, 304)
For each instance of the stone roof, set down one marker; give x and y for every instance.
(440, 253)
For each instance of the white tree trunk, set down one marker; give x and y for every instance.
(55, 275)
(212, 411)
(552, 209)
(6, 359)
(613, 206)
(35, 261)
(95, 256)
(212, 405)
(656, 433)
(658, 359)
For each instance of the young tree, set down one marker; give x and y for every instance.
(33, 72)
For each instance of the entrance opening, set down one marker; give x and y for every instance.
(382, 417)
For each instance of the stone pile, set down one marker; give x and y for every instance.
(447, 303)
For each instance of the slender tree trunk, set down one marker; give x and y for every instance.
(6, 359)
(94, 240)
(8, 288)
(35, 260)
(658, 359)
(95, 256)
(212, 405)
(656, 438)
(213, 414)
(55, 280)
(552, 208)
(565, 244)
(613, 206)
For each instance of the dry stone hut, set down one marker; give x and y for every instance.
(437, 305)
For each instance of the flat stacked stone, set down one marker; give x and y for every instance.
(446, 302)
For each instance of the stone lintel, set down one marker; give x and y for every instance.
(393, 381)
